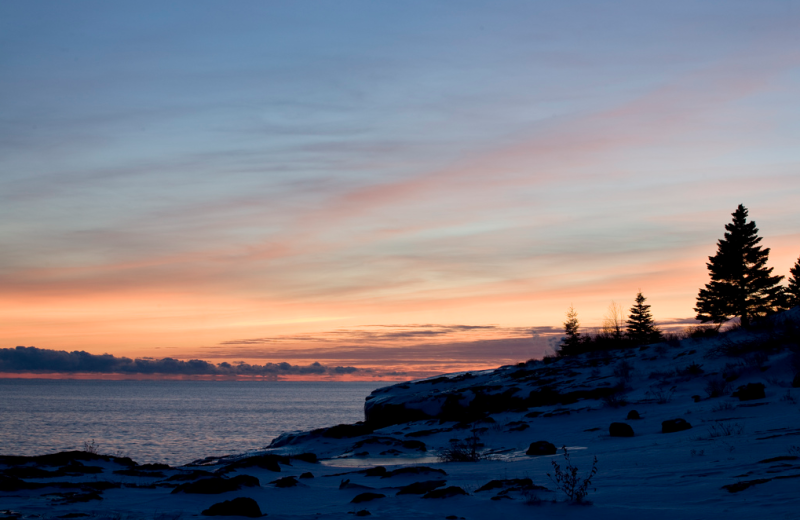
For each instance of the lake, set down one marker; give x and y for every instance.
(173, 422)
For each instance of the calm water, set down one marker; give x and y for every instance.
(168, 421)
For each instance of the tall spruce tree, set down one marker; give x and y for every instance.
(741, 283)
(640, 327)
(571, 342)
(793, 291)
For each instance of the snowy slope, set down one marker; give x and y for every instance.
(750, 446)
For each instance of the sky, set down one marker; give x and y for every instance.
(403, 188)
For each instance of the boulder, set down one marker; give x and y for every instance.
(413, 470)
(539, 448)
(420, 488)
(620, 429)
(307, 474)
(507, 483)
(241, 506)
(633, 415)
(366, 497)
(796, 381)
(216, 485)
(750, 392)
(285, 482)
(675, 425)
(445, 492)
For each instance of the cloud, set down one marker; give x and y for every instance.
(37, 360)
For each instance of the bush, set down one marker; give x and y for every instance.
(568, 481)
(90, 447)
(717, 387)
(623, 371)
(463, 450)
(693, 370)
(661, 393)
(701, 331)
(721, 429)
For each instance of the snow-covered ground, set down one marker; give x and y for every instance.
(750, 446)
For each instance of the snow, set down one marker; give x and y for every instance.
(652, 475)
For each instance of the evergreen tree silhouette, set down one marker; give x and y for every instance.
(741, 283)
(640, 327)
(571, 342)
(793, 291)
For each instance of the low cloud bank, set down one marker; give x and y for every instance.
(37, 360)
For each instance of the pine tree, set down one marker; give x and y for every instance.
(741, 283)
(641, 328)
(571, 342)
(793, 291)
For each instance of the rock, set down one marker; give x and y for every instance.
(267, 461)
(285, 482)
(619, 429)
(363, 512)
(632, 415)
(796, 381)
(216, 485)
(136, 472)
(305, 457)
(741, 486)
(507, 483)
(674, 425)
(539, 448)
(192, 475)
(445, 492)
(750, 392)
(346, 484)
(420, 488)
(413, 470)
(241, 506)
(366, 497)
(307, 474)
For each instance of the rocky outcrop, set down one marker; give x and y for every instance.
(469, 399)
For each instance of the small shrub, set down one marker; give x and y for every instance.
(568, 480)
(788, 397)
(623, 371)
(721, 429)
(696, 453)
(90, 447)
(463, 450)
(693, 370)
(732, 371)
(661, 393)
(701, 332)
(531, 497)
(717, 387)
(794, 450)
(616, 399)
(722, 407)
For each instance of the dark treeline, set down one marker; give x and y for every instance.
(741, 287)
(37, 360)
